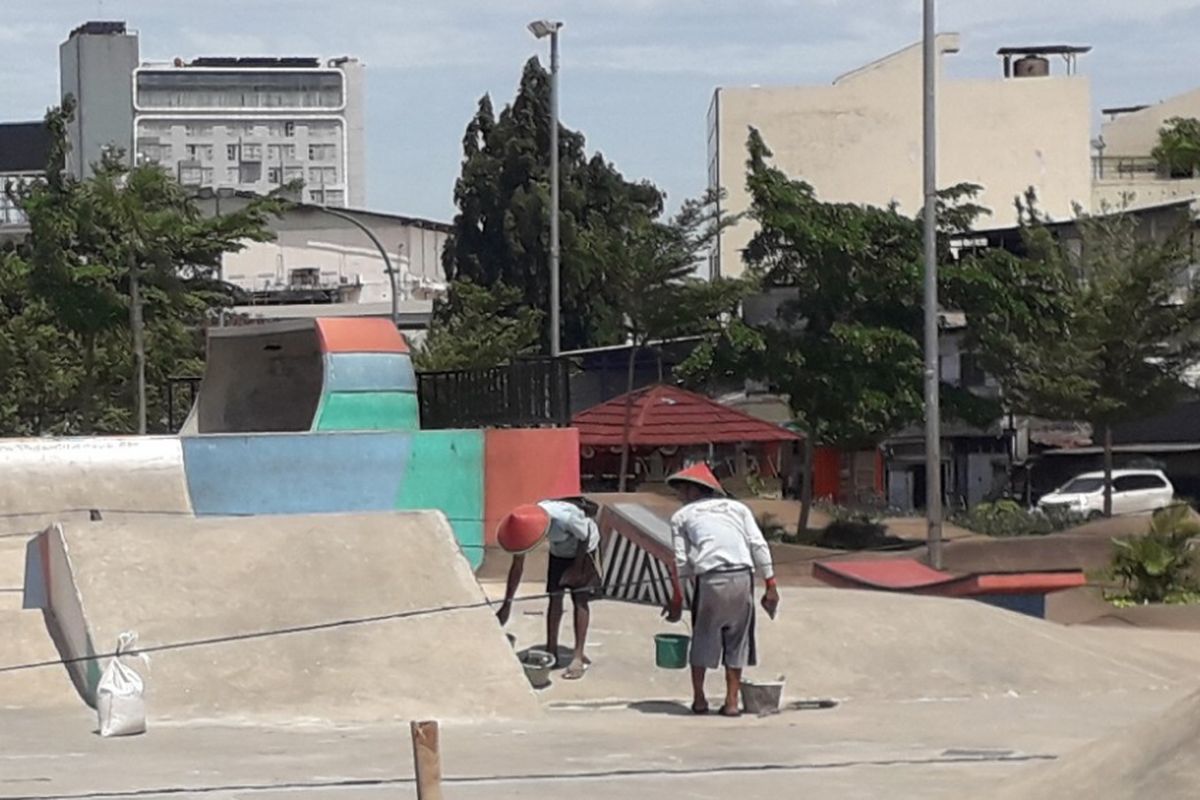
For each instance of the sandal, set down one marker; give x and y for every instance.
(725, 712)
(575, 671)
(699, 710)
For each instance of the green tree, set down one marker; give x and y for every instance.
(501, 230)
(652, 266)
(1178, 148)
(844, 343)
(72, 275)
(1127, 330)
(476, 327)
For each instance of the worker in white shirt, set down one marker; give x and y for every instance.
(718, 545)
(574, 540)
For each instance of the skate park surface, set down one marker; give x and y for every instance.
(936, 697)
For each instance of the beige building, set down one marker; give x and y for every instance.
(1125, 174)
(859, 139)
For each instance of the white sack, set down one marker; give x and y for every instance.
(120, 701)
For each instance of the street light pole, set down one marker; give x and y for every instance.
(541, 29)
(387, 262)
(933, 434)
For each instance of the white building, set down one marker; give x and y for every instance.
(24, 147)
(1125, 173)
(859, 140)
(246, 124)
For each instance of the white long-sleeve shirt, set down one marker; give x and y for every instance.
(569, 527)
(718, 534)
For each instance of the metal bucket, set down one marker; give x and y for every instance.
(762, 697)
(537, 664)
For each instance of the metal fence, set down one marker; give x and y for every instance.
(529, 393)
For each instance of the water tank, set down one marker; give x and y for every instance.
(1031, 67)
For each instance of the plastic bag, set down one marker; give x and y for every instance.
(120, 700)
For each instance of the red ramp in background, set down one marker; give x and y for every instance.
(911, 576)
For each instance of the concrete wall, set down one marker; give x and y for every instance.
(96, 69)
(859, 140)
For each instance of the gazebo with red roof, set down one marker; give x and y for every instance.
(674, 424)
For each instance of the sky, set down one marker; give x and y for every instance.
(637, 75)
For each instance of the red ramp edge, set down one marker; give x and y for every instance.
(912, 577)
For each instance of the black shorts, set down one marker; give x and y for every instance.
(557, 567)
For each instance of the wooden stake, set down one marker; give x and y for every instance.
(427, 760)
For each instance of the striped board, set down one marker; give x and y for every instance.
(637, 557)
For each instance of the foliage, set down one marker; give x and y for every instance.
(1106, 334)
(65, 358)
(501, 231)
(1009, 518)
(1156, 567)
(1178, 148)
(771, 528)
(477, 327)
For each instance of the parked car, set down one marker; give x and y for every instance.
(1135, 491)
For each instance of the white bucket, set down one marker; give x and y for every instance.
(537, 665)
(762, 697)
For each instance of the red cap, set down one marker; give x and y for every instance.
(698, 474)
(523, 528)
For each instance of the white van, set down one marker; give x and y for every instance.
(1135, 491)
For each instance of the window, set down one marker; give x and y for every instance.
(289, 129)
(278, 152)
(316, 196)
(335, 197)
(198, 130)
(274, 175)
(206, 176)
(231, 175)
(321, 152)
(319, 176)
(1083, 486)
(231, 152)
(293, 174)
(190, 176)
(1138, 483)
(252, 152)
(154, 152)
(250, 172)
(199, 152)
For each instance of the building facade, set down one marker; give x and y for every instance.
(859, 140)
(244, 124)
(1125, 173)
(24, 149)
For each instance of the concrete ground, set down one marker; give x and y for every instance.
(937, 698)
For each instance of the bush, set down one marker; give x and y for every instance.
(772, 531)
(854, 528)
(1010, 518)
(1156, 567)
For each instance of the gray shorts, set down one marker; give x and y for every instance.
(723, 620)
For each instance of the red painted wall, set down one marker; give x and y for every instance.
(524, 466)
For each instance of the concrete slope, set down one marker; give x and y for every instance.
(873, 645)
(175, 580)
(1158, 758)
(47, 480)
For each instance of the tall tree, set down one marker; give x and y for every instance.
(652, 266)
(844, 341)
(501, 230)
(476, 327)
(73, 274)
(1127, 332)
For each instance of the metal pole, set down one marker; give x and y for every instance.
(387, 262)
(139, 341)
(555, 331)
(933, 434)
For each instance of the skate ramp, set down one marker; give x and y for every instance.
(1158, 758)
(177, 580)
(48, 479)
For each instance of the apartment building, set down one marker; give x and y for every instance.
(1125, 172)
(244, 124)
(24, 148)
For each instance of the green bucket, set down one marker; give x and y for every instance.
(671, 650)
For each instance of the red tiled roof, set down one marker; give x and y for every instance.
(665, 415)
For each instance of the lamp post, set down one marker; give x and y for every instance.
(543, 28)
(933, 433)
(387, 262)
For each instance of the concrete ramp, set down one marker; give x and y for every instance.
(179, 580)
(49, 480)
(1158, 758)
